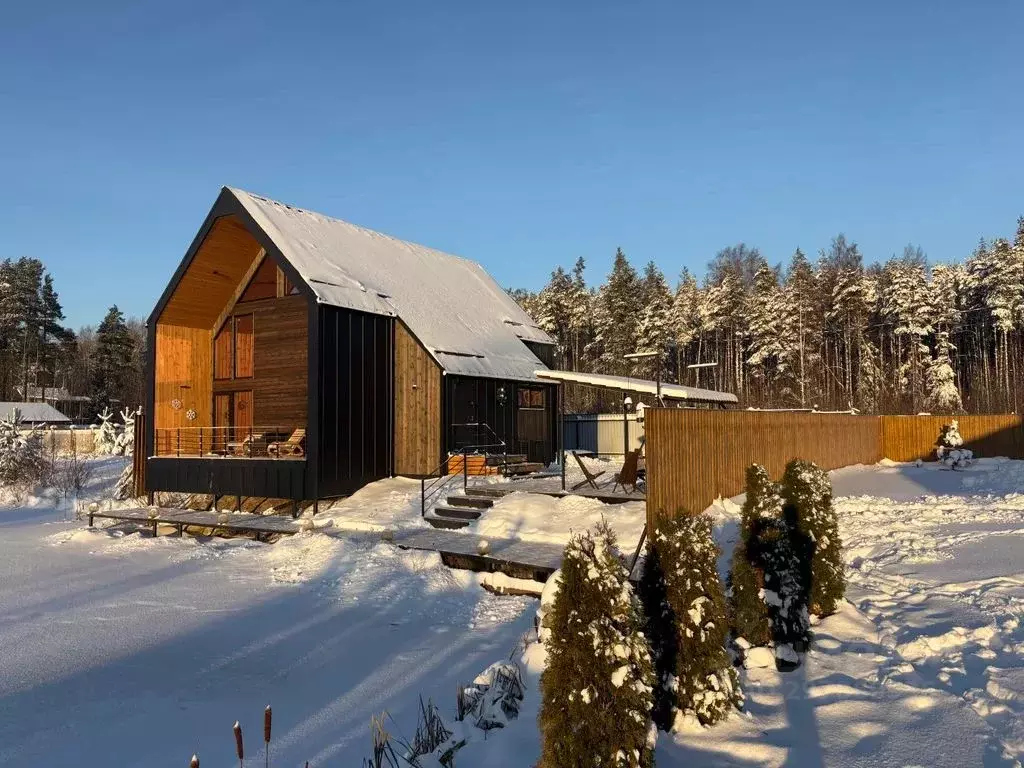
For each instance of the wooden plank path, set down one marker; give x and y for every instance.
(260, 526)
(523, 559)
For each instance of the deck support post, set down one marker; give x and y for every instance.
(90, 519)
(154, 529)
(316, 506)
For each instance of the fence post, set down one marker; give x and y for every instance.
(465, 470)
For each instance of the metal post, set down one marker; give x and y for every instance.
(249, 442)
(423, 497)
(178, 448)
(200, 441)
(465, 470)
(625, 428)
(561, 432)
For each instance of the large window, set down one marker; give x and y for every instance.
(233, 349)
(269, 282)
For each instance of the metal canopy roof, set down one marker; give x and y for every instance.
(630, 384)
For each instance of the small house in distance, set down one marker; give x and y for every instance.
(34, 414)
(293, 355)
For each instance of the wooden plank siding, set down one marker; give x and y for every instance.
(694, 456)
(908, 438)
(183, 371)
(278, 350)
(417, 428)
(212, 278)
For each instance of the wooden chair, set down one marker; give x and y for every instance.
(591, 477)
(245, 446)
(628, 474)
(293, 446)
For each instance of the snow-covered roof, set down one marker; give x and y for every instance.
(629, 384)
(53, 394)
(34, 413)
(464, 319)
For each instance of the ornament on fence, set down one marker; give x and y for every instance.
(190, 414)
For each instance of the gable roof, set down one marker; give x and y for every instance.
(34, 413)
(466, 321)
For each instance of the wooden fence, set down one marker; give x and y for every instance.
(908, 438)
(695, 456)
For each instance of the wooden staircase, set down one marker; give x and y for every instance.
(461, 509)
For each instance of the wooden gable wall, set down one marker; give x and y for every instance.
(417, 429)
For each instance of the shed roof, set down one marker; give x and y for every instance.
(34, 413)
(630, 384)
(466, 321)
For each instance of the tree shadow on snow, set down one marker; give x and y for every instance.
(325, 665)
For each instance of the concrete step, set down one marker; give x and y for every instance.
(457, 513)
(489, 491)
(524, 468)
(444, 522)
(470, 500)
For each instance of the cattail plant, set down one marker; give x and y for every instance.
(238, 744)
(267, 715)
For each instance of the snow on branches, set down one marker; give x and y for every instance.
(949, 449)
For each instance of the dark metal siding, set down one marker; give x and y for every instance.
(470, 400)
(356, 397)
(278, 479)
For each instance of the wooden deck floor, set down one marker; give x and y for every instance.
(260, 526)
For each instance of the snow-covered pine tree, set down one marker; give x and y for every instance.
(747, 607)
(784, 591)
(768, 353)
(622, 304)
(22, 459)
(685, 322)
(655, 327)
(701, 678)
(105, 437)
(949, 447)
(943, 396)
(597, 687)
(807, 494)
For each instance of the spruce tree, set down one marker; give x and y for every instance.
(748, 611)
(683, 596)
(111, 361)
(807, 493)
(596, 691)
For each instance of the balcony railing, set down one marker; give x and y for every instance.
(258, 442)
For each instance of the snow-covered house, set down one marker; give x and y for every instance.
(294, 355)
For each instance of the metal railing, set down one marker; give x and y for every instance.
(442, 479)
(274, 442)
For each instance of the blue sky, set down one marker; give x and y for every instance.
(519, 134)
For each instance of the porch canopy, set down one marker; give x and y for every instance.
(630, 384)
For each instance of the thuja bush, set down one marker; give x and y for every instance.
(747, 608)
(596, 691)
(785, 590)
(688, 622)
(808, 510)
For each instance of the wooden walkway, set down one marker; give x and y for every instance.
(260, 526)
(521, 559)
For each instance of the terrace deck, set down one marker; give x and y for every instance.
(260, 526)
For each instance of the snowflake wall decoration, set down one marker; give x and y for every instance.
(190, 414)
(176, 404)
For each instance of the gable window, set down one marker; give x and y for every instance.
(269, 282)
(233, 349)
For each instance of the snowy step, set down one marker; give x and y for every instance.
(471, 500)
(523, 468)
(491, 493)
(445, 522)
(498, 459)
(456, 513)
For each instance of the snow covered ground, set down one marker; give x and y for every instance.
(925, 664)
(120, 649)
